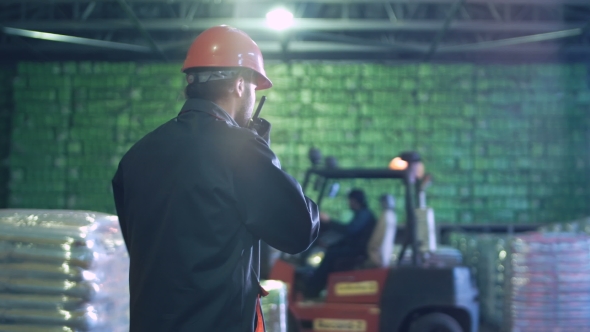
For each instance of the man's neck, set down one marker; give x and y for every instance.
(228, 106)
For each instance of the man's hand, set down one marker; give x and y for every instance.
(324, 217)
(262, 127)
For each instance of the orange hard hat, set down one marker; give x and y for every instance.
(224, 46)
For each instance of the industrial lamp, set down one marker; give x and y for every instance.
(279, 19)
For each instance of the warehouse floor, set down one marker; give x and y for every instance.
(487, 328)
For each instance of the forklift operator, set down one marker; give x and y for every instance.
(196, 195)
(356, 235)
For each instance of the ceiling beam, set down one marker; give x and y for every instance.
(331, 47)
(139, 26)
(299, 24)
(74, 40)
(445, 27)
(412, 47)
(298, 46)
(512, 41)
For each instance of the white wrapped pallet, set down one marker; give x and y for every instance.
(62, 271)
(274, 305)
(549, 285)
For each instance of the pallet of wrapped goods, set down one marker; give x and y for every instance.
(549, 284)
(274, 305)
(62, 271)
(491, 276)
(485, 255)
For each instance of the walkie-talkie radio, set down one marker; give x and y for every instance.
(257, 113)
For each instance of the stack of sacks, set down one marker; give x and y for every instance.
(492, 251)
(62, 271)
(274, 306)
(467, 244)
(485, 255)
(577, 226)
(549, 285)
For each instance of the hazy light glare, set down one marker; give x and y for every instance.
(65, 267)
(66, 314)
(279, 19)
(315, 259)
(273, 284)
(87, 275)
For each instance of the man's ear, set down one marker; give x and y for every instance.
(240, 86)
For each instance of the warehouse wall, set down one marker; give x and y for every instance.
(504, 143)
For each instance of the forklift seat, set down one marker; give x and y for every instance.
(379, 248)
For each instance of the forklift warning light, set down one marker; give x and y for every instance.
(398, 164)
(343, 325)
(369, 287)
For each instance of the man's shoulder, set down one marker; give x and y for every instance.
(237, 137)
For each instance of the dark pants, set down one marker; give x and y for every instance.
(336, 258)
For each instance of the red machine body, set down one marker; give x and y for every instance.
(352, 301)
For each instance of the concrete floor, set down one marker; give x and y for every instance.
(487, 328)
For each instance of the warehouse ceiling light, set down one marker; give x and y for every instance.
(279, 19)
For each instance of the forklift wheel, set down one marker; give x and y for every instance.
(435, 322)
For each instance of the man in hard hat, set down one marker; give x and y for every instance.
(196, 195)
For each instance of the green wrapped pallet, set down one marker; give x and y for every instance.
(480, 122)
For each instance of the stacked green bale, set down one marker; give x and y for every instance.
(503, 143)
(38, 151)
(500, 137)
(327, 106)
(442, 109)
(74, 121)
(6, 76)
(101, 104)
(115, 104)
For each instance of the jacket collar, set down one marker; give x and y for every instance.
(201, 105)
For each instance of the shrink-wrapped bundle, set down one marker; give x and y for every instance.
(274, 305)
(62, 271)
(549, 284)
(492, 251)
(486, 255)
(532, 282)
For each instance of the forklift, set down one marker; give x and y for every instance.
(408, 297)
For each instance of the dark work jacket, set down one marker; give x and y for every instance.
(193, 198)
(357, 232)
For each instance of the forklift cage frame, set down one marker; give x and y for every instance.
(409, 179)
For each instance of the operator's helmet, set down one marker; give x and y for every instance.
(226, 47)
